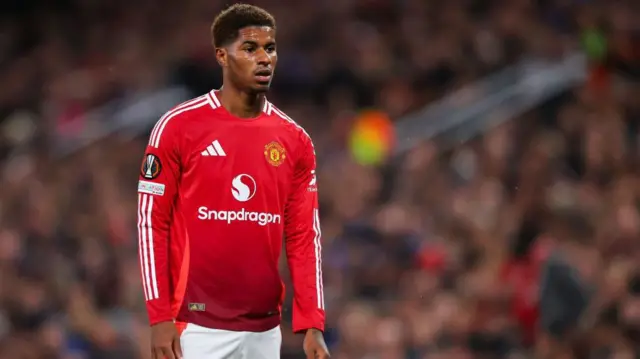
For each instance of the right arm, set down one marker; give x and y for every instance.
(157, 190)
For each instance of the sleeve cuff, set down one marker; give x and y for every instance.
(301, 328)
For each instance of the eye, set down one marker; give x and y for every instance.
(249, 49)
(271, 49)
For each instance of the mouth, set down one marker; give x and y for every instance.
(263, 76)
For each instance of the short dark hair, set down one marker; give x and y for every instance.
(227, 24)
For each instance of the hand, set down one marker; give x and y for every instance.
(314, 345)
(165, 341)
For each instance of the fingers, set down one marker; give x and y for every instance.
(164, 352)
(177, 348)
(310, 353)
(318, 353)
(168, 352)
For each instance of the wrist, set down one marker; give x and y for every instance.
(160, 320)
(301, 328)
(313, 331)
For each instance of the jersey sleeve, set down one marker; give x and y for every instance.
(303, 245)
(157, 190)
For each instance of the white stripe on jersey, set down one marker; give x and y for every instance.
(272, 109)
(141, 245)
(152, 254)
(158, 124)
(156, 133)
(214, 98)
(145, 243)
(318, 254)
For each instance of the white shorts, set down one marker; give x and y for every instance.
(203, 343)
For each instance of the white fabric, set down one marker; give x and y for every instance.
(203, 343)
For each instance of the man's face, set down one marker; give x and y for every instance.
(251, 59)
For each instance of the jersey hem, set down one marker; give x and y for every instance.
(253, 325)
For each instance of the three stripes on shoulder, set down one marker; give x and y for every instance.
(214, 149)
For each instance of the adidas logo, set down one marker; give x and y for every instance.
(214, 149)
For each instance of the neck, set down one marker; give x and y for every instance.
(240, 103)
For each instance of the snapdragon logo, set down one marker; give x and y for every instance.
(262, 218)
(243, 188)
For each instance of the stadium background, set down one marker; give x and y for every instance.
(440, 252)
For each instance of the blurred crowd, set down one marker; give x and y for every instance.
(521, 243)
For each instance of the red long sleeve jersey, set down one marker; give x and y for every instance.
(217, 194)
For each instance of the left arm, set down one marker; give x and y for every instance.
(303, 245)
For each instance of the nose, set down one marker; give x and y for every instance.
(263, 57)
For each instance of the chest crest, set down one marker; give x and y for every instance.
(274, 153)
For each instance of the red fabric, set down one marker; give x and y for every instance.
(522, 277)
(432, 259)
(217, 195)
(599, 79)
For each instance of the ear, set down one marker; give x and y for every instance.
(221, 56)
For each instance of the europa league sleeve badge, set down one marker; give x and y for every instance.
(151, 167)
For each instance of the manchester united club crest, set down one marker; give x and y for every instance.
(274, 153)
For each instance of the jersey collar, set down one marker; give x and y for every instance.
(214, 102)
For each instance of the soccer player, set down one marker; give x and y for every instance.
(225, 177)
